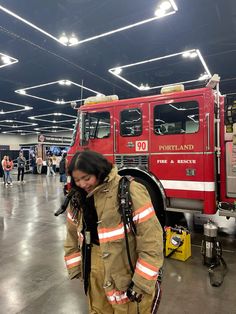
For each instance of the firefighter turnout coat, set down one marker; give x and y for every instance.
(146, 246)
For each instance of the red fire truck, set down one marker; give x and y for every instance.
(181, 145)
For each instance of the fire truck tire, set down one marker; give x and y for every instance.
(156, 200)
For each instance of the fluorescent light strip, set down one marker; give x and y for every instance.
(53, 129)
(22, 124)
(112, 70)
(203, 62)
(173, 5)
(19, 91)
(56, 114)
(172, 2)
(24, 108)
(38, 118)
(124, 28)
(54, 121)
(14, 60)
(29, 24)
(20, 131)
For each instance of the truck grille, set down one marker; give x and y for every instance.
(140, 161)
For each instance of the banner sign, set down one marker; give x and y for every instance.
(53, 139)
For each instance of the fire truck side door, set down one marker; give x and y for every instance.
(101, 131)
(131, 129)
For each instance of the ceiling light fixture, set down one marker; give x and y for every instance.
(6, 60)
(164, 7)
(57, 101)
(16, 124)
(144, 87)
(117, 71)
(63, 39)
(53, 115)
(60, 101)
(68, 41)
(73, 40)
(186, 54)
(172, 10)
(4, 107)
(22, 92)
(203, 77)
(159, 13)
(25, 132)
(35, 26)
(64, 82)
(193, 55)
(190, 53)
(53, 129)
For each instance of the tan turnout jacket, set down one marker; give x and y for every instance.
(146, 247)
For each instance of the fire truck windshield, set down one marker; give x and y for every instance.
(95, 125)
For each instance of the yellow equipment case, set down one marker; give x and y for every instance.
(178, 243)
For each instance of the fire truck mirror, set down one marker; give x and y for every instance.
(84, 129)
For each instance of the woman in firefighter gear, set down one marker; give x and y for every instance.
(95, 246)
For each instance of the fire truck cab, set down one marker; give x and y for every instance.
(181, 145)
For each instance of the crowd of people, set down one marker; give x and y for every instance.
(36, 163)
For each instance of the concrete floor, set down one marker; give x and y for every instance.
(33, 277)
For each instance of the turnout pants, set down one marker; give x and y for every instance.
(98, 302)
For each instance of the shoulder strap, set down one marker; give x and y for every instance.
(125, 202)
(125, 209)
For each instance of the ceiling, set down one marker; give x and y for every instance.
(209, 26)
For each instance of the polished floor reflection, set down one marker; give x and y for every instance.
(33, 278)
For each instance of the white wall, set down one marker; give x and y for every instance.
(12, 140)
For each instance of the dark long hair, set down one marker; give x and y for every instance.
(90, 162)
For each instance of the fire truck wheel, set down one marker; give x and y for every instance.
(156, 200)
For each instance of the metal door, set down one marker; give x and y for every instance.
(131, 134)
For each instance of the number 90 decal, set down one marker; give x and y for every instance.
(141, 146)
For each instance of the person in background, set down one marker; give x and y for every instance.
(96, 241)
(54, 163)
(62, 168)
(33, 163)
(4, 158)
(21, 163)
(39, 163)
(50, 166)
(7, 167)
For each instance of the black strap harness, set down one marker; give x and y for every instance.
(125, 209)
